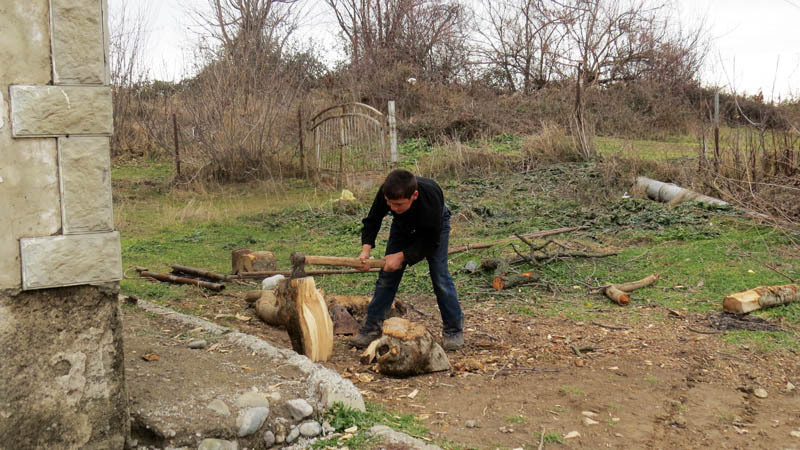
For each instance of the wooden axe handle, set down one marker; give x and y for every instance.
(339, 261)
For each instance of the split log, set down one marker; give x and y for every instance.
(179, 269)
(405, 349)
(534, 235)
(619, 292)
(671, 193)
(761, 297)
(181, 280)
(304, 313)
(245, 260)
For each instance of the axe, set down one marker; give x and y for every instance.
(300, 260)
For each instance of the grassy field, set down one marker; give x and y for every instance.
(700, 253)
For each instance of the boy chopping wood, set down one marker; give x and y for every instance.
(420, 230)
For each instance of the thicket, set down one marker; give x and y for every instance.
(560, 72)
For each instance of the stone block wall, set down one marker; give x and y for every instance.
(63, 380)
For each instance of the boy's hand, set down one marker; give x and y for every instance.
(394, 262)
(364, 256)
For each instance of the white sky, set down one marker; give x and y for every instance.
(756, 45)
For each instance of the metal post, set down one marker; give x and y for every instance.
(392, 133)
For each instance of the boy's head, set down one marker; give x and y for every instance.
(400, 190)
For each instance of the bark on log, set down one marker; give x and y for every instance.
(534, 235)
(179, 269)
(671, 193)
(343, 322)
(405, 349)
(182, 280)
(633, 285)
(268, 308)
(761, 297)
(305, 315)
(357, 304)
(245, 260)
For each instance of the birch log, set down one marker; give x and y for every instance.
(671, 193)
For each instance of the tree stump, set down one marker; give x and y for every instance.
(304, 313)
(405, 349)
(245, 260)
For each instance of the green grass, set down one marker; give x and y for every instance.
(517, 419)
(571, 390)
(549, 438)
(342, 417)
(678, 147)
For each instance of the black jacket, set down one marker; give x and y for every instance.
(423, 220)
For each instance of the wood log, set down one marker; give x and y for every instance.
(179, 269)
(182, 280)
(406, 348)
(761, 297)
(671, 193)
(245, 260)
(618, 296)
(268, 308)
(304, 313)
(510, 280)
(633, 285)
(357, 305)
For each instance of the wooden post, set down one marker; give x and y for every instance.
(392, 132)
(302, 147)
(716, 131)
(177, 150)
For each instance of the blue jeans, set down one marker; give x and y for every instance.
(443, 286)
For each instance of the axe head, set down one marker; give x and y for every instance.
(298, 261)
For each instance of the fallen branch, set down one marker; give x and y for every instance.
(761, 297)
(673, 194)
(178, 269)
(181, 280)
(534, 235)
(619, 292)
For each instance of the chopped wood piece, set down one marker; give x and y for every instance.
(406, 348)
(252, 296)
(245, 260)
(618, 296)
(179, 269)
(268, 308)
(343, 322)
(306, 318)
(761, 297)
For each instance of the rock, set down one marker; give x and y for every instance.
(351, 430)
(250, 420)
(679, 421)
(388, 435)
(327, 428)
(760, 392)
(789, 386)
(269, 438)
(252, 400)
(197, 344)
(299, 408)
(471, 266)
(217, 444)
(589, 421)
(219, 407)
(471, 424)
(589, 413)
(572, 435)
(274, 396)
(795, 433)
(293, 435)
(310, 428)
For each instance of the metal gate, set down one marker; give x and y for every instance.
(353, 144)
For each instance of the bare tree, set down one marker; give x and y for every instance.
(520, 39)
(429, 35)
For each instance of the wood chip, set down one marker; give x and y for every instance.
(151, 357)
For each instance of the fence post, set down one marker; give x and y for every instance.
(392, 133)
(177, 150)
(302, 149)
(716, 131)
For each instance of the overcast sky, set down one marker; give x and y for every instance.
(756, 45)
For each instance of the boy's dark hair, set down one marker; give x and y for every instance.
(399, 184)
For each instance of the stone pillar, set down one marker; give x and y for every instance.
(60, 265)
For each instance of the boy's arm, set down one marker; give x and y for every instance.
(372, 223)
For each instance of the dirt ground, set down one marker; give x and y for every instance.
(649, 377)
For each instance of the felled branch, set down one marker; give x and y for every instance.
(618, 293)
(181, 280)
(534, 235)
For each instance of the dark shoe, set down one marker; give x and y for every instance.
(453, 341)
(362, 340)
